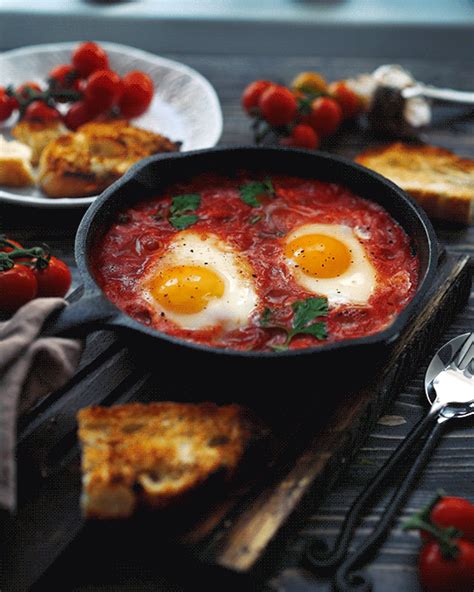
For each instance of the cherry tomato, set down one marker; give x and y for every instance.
(325, 116)
(63, 77)
(53, 280)
(252, 93)
(102, 90)
(440, 574)
(89, 57)
(78, 114)
(454, 511)
(309, 82)
(278, 105)
(302, 136)
(40, 111)
(137, 93)
(18, 285)
(27, 89)
(7, 105)
(346, 97)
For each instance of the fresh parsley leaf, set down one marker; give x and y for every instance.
(305, 311)
(183, 221)
(318, 330)
(188, 202)
(250, 192)
(266, 317)
(280, 346)
(308, 310)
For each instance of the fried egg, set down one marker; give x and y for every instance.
(329, 260)
(199, 281)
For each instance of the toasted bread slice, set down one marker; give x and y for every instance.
(89, 160)
(15, 167)
(440, 181)
(152, 455)
(37, 135)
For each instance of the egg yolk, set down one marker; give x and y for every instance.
(319, 255)
(186, 289)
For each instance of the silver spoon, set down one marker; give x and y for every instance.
(449, 388)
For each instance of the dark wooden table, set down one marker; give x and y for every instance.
(452, 465)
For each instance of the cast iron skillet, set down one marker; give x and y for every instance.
(351, 359)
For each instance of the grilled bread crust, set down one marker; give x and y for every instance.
(151, 455)
(442, 182)
(89, 160)
(37, 135)
(15, 167)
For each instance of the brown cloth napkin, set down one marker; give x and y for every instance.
(30, 368)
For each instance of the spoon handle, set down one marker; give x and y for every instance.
(320, 558)
(442, 94)
(346, 579)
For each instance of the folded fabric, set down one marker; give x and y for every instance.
(31, 366)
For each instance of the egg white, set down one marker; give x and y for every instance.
(239, 299)
(355, 285)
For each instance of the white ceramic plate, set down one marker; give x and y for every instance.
(185, 106)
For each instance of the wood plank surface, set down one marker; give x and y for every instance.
(451, 466)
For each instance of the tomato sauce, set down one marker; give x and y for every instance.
(143, 231)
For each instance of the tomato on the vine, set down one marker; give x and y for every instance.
(252, 93)
(64, 76)
(89, 57)
(27, 89)
(78, 114)
(278, 105)
(53, 280)
(302, 136)
(7, 105)
(325, 116)
(346, 97)
(137, 93)
(40, 111)
(18, 286)
(102, 90)
(439, 573)
(456, 512)
(309, 82)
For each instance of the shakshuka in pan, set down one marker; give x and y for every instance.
(258, 262)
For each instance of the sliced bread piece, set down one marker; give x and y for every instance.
(153, 454)
(37, 135)
(15, 167)
(442, 182)
(89, 160)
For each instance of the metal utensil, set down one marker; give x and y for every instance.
(441, 94)
(449, 387)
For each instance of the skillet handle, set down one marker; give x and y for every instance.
(92, 311)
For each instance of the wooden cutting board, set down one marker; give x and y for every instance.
(236, 530)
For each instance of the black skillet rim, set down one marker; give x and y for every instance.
(385, 337)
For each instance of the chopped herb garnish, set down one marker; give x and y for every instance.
(188, 202)
(183, 221)
(250, 192)
(266, 317)
(305, 311)
(185, 203)
(255, 219)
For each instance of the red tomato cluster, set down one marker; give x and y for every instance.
(91, 87)
(446, 560)
(302, 115)
(28, 273)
